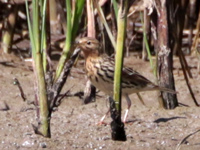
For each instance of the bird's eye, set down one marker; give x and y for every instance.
(88, 42)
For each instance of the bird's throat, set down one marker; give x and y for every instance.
(93, 54)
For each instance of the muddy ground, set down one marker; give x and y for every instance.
(73, 125)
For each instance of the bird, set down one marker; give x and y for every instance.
(100, 70)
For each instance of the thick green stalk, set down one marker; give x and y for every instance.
(115, 7)
(41, 84)
(44, 127)
(44, 123)
(77, 16)
(65, 53)
(121, 22)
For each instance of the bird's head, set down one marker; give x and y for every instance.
(89, 45)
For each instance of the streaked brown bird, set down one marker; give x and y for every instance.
(100, 71)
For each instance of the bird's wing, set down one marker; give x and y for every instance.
(133, 77)
(129, 76)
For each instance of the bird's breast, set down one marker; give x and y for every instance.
(98, 76)
(90, 67)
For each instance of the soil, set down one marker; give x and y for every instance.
(74, 125)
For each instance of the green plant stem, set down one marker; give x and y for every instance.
(36, 27)
(65, 53)
(77, 16)
(36, 43)
(44, 128)
(121, 22)
(30, 30)
(44, 34)
(115, 7)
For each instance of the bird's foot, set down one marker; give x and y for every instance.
(101, 122)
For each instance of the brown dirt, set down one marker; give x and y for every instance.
(73, 125)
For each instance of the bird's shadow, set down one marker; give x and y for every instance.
(168, 119)
(132, 121)
(7, 64)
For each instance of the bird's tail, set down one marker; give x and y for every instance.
(163, 89)
(153, 87)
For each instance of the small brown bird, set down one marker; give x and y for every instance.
(100, 71)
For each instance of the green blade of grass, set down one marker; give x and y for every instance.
(115, 7)
(36, 27)
(44, 35)
(43, 29)
(77, 17)
(71, 32)
(30, 30)
(65, 53)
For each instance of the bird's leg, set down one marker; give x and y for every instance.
(104, 116)
(140, 98)
(129, 105)
(102, 119)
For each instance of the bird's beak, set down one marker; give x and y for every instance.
(76, 44)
